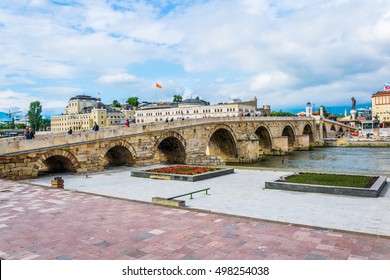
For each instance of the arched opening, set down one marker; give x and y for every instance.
(333, 128)
(265, 141)
(118, 156)
(171, 150)
(308, 131)
(341, 130)
(56, 164)
(289, 132)
(222, 144)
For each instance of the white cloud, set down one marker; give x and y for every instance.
(59, 90)
(14, 101)
(255, 7)
(122, 78)
(282, 51)
(261, 82)
(273, 80)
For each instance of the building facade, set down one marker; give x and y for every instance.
(197, 109)
(83, 111)
(381, 107)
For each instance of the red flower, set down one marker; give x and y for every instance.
(183, 170)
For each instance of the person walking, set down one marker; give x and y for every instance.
(70, 131)
(127, 122)
(30, 134)
(95, 127)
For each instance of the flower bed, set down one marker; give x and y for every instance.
(341, 180)
(182, 173)
(183, 170)
(339, 184)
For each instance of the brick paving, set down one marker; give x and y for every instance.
(42, 223)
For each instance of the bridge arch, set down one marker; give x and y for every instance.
(265, 139)
(170, 148)
(288, 131)
(56, 161)
(118, 153)
(308, 130)
(333, 128)
(222, 142)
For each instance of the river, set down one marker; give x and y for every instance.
(333, 159)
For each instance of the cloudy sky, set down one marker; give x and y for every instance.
(283, 52)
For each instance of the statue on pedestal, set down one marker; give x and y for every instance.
(353, 103)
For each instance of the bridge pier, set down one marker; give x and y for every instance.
(302, 142)
(280, 145)
(248, 149)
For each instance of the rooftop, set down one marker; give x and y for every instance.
(381, 93)
(84, 97)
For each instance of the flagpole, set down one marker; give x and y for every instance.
(158, 86)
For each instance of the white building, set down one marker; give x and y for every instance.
(83, 111)
(197, 109)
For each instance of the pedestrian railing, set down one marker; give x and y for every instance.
(190, 194)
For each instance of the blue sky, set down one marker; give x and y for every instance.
(283, 52)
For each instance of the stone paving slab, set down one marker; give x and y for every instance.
(243, 193)
(87, 226)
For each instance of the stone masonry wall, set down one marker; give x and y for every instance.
(142, 144)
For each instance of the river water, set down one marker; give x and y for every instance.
(334, 159)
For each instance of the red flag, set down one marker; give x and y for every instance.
(158, 85)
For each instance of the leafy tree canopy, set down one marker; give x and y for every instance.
(133, 101)
(34, 115)
(177, 98)
(281, 114)
(115, 103)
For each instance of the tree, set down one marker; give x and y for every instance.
(20, 126)
(133, 101)
(34, 115)
(281, 114)
(115, 103)
(177, 98)
(45, 122)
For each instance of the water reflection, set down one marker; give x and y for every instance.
(364, 160)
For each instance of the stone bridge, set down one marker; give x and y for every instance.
(195, 141)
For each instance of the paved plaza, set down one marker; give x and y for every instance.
(243, 194)
(44, 223)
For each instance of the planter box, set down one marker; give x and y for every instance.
(373, 191)
(179, 177)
